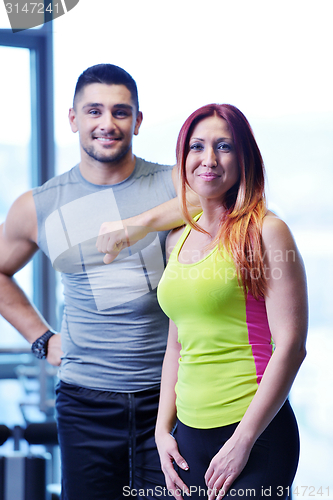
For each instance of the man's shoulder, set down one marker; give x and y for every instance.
(144, 167)
(58, 180)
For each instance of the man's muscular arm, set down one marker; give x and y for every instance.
(18, 244)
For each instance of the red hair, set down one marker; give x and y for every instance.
(245, 207)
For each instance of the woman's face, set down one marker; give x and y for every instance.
(211, 165)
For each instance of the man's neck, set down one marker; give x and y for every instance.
(102, 173)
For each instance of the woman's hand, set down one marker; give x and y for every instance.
(225, 467)
(115, 236)
(168, 451)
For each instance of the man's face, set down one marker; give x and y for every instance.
(106, 119)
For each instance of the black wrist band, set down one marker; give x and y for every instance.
(39, 347)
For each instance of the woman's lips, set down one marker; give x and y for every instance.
(208, 176)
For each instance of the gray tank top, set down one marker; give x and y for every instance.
(113, 330)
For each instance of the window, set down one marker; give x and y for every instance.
(15, 157)
(28, 133)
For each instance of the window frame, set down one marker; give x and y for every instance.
(40, 44)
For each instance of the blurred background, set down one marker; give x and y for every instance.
(273, 60)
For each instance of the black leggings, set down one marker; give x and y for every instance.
(269, 471)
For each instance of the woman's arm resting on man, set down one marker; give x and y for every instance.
(114, 236)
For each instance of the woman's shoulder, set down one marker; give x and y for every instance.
(275, 231)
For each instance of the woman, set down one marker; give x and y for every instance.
(235, 292)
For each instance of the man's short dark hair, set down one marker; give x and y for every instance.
(108, 74)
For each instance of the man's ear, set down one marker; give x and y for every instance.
(138, 122)
(72, 120)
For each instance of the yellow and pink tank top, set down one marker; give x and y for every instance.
(225, 339)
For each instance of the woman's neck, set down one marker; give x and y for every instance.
(211, 217)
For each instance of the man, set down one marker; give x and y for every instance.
(113, 333)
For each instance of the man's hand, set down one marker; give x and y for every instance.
(115, 236)
(54, 351)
